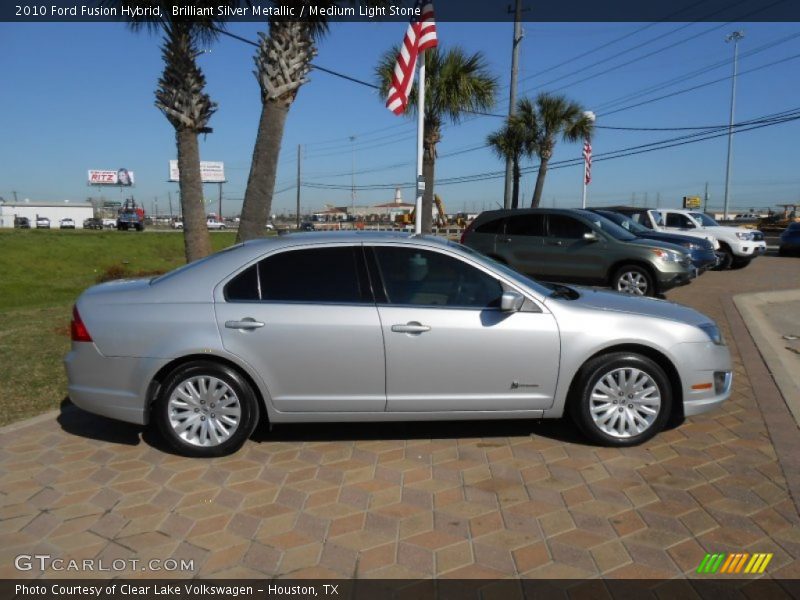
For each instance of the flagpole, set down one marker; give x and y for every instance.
(590, 116)
(420, 135)
(583, 204)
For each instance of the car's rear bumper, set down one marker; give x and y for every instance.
(111, 387)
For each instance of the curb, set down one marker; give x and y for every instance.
(50, 415)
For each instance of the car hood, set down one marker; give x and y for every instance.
(722, 229)
(608, 301)
(672, 238)
(664, 245)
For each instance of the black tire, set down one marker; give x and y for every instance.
(782, 251)
(629, 278)
(725, 259)
(242, 392)
(603, 366)
(740, 263)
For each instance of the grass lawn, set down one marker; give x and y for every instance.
(41, 274)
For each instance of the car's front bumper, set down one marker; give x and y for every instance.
(674, 275)
(749, 249)
(706, 374)
(704, 259)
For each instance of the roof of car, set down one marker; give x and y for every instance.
(311, 237)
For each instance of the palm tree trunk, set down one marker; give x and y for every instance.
(263, 169)
(196, 239)
(537, 192)
(428, 171)
(516, 174)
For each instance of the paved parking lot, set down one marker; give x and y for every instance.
(419, 500)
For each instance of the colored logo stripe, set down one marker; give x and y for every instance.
(722, 562)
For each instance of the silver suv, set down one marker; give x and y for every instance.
(579, 246)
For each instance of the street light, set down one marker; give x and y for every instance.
(734, 37)
(589, 116)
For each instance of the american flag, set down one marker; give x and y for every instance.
(420, 35)
(587, 159)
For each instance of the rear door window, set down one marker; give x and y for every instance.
(325, 275)
(527, 225)
(494, 226)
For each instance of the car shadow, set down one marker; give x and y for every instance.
(78, 422)
(562, 430)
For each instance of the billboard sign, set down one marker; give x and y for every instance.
(121, 177)
(210, 171)
(692, 202)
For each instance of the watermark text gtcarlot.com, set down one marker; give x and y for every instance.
(46, 562)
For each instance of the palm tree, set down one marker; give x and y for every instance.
(455, 83)
(283, 60)
(511, 142)
(181, 97)
(544, 120)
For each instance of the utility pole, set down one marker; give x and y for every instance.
(734, 37)
(705, 199)
(512, 96)
(298, 186)
(352, 174)
(169, 197)
(15, 196)
(219, 214)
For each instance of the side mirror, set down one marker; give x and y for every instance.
(590, 236)
(511, 301)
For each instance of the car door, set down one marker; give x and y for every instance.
(522, 242)
(305, 319)
(449, 347)
(567, 255)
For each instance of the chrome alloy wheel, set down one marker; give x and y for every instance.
(632, 282)
(625, 402)
(204, 411)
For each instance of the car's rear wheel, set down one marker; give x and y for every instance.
(623, 399)
(633, 279)
(206, 409)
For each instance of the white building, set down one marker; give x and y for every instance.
(55, 211)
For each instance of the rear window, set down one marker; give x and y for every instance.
(529, 225)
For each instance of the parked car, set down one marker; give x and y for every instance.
(22, 223)
(700, 250)
(110, 223)
(307, 226)
(790, 240)
(42, 223)
(93, 224)
(177, 224)
(578, 246)
(213, 224)
(737, 246)
(394, 328)
(66, 223)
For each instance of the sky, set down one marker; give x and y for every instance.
(79, 96)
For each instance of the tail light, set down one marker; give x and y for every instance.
(79, 331)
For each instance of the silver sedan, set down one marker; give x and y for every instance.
(382, 327)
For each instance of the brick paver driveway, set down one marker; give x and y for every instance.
(416, 500)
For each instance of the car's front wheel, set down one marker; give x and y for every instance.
(206, 409)
(622, 399)
(740, 263)
(633, 279)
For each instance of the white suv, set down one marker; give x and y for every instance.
(737, 246)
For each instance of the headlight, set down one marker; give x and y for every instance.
(712, 331)
(668, 255)
(744, 235)
(691, 246)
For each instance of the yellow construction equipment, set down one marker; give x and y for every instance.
(440, 220)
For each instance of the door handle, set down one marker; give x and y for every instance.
(411, 327)
(504, 240)
(555, 243)
(247, 323)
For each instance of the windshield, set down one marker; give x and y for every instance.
(704, 219)
(611, 228)
(540, 287)
(624, 222)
